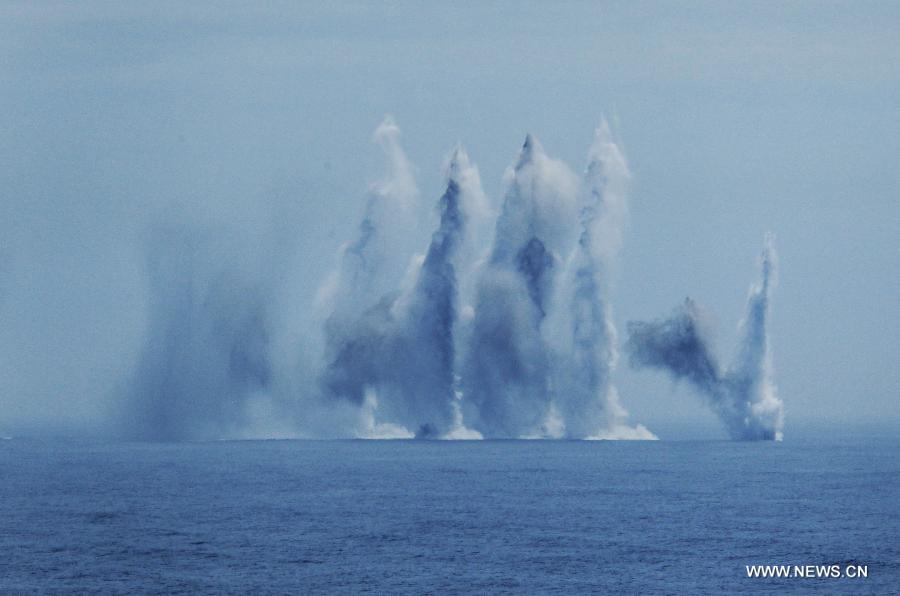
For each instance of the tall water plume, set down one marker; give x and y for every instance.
(398, 358)
(743, 395)
(585, 396)
(507, 371)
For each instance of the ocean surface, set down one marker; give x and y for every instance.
(437, 517)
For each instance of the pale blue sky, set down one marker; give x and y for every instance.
(736, 119)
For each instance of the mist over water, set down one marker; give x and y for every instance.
(743, 395)
(207, 354)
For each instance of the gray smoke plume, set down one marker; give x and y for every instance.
(207, 350)
(744, 395)
(585, 396)
(507, 369)
(397, 360)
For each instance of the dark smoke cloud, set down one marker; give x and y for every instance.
(743, 396)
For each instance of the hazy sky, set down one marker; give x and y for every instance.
(736, 119)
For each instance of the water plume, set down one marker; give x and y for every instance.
(397, 360)
(744, 395)
(507, 369)
(585, 396)
(373, 263)
(458, 342)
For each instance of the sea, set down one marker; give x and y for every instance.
(421, 517)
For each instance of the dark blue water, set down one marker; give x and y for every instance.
(485, 517)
